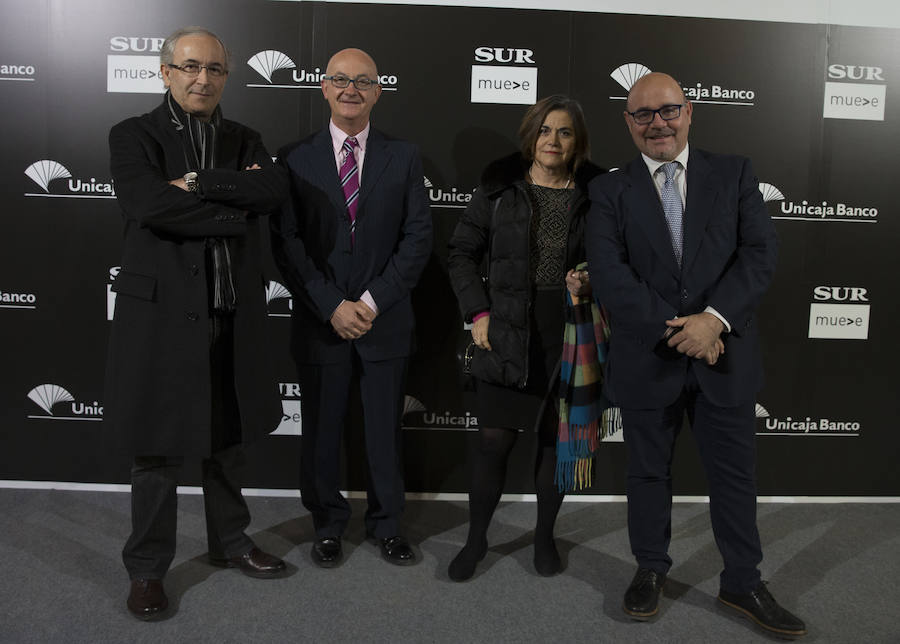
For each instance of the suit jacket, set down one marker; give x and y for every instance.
(311, 245)
(158, 372)
(728, 261)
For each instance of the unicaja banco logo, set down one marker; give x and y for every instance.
(417, 416)
(46, 171)
(700, 92)
(279, 300)
(441, 198)
(806, 426)
(810, 211)
(48, 396)
(13, 72)
(17, 300)
(269, 64)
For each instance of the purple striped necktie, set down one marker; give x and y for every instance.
(349, 176)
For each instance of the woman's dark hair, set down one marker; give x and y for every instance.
(534, 118)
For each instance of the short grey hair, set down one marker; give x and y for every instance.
(167, 53)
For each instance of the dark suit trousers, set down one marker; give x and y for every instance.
(149, 551)
(726, 439)
(325, 392)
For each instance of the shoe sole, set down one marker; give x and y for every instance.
(748, 615)
(641, 617)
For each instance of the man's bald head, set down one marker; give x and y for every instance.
(660, 139)
(350, 106)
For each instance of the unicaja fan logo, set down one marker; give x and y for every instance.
(46, 171)
(628, 74)
(770, 192)
(277, 294)
(48, 396)
(269, 61)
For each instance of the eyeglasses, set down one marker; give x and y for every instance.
(193, 69)
(361, 83)
(666, 113)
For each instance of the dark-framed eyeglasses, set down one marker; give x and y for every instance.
(666, 113)
(193, 69)
(362, 83)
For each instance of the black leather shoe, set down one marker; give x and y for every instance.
(397, 551)
(147, 599)
(642, 597)
(327, 552)
(255, 563)
(761, 607)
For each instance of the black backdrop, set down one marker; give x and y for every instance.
(814, 106)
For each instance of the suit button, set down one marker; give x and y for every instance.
(195, 270)
(684, 294)
(193, 317)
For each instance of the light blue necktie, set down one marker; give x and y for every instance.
(673, 207)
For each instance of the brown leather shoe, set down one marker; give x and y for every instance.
(147, 599)
(255, 563)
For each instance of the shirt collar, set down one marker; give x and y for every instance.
(653, 164)
(338, 136)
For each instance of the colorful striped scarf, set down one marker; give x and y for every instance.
(584, 417)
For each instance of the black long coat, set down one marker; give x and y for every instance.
(497, 224)
(158, 397)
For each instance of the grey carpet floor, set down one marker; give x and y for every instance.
(61, 577)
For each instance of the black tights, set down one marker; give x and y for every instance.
(488, 477)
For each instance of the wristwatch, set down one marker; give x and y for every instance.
(190, 180)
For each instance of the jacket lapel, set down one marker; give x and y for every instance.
(644, 205)
(325, 169)
(377, 157)
(701, 196)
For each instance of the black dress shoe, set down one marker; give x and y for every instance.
(147, 599)
(255, 563)
(397, 551)
(327, 552)
(642, 597)
(761, 607)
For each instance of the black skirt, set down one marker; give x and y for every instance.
(514, 408)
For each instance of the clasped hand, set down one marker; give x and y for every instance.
(578, 283)
(697, 336)
(352, 320)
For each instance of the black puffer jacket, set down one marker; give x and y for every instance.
(497, 224)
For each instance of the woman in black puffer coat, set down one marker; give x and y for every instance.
(526, 220)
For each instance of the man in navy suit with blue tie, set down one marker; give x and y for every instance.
(351, 243)
(680, 251)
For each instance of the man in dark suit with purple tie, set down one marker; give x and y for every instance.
(351, 243)
(681, 250)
